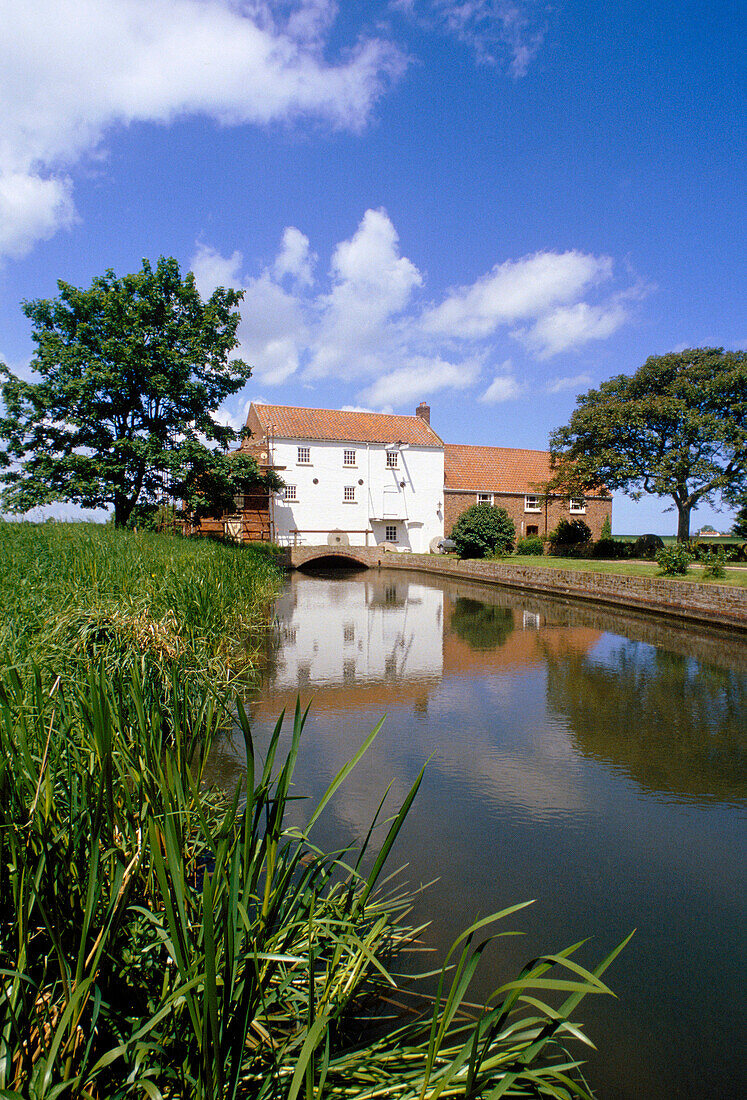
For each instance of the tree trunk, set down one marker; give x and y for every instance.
(122, 510)
(683, 523)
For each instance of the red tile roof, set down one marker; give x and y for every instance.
(494, 469)
(289, 422)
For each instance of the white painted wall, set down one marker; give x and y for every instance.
(409, 497)
(380, 632)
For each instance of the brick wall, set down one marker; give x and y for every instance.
(557, 509)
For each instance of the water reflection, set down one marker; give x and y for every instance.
(675, 726)
(593, 760)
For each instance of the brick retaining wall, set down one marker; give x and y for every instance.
(716, 604)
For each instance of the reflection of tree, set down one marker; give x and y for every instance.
(672, 724)
(481, 625)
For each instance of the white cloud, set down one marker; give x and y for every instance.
(70, 70)
(420, 378)
(32, 209)
(365, 325)
(571, 326)
(577, 382)
(212, 270)
(295, 258)
(504, 387)
(372, 285)
(492, 29)
(515, 290)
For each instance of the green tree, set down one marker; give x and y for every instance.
(131, 373)
(482, 530)
(676, 428)
(606, 528)
(740, 523)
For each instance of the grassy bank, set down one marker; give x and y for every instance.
(76, 592)
(160, 939)
(735, 575)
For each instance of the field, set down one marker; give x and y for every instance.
(735, 574)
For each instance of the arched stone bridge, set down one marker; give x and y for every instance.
(366, 557)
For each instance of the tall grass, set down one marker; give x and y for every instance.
(73, 593)
(161, 939)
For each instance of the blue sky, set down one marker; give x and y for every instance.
(491, 205)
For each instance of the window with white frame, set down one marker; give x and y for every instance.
(348, 494)
(348, 458)
(484, 498)
(578, 505)
(304, 456)
(289, 492)
(532, 504)
(390, 532)
(391, 460)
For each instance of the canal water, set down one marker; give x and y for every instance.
(588, 759)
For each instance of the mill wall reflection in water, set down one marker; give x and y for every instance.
(593, 761)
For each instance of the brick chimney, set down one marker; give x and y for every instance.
(424, 412)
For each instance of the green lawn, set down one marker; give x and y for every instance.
(735, 575)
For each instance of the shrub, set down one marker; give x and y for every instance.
(674, 560)
(647, 546)
(532, 544)
(605, 548)
(714, 567)
(483, 530)
(570, 539)
(606, 532)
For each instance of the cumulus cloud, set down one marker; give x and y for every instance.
(72, 69)
(504, 386)
(295, 258)
(32, 209)
(571, 326)
(366, 324)
(515, 290)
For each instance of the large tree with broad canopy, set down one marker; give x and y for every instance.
(676, 428)
(131, 373)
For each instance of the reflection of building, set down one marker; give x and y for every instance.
(385, 639)
(371, 632)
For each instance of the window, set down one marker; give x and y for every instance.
(532, 529)
(391, 460)
(348, 458)
(348, 494)
(484, 498)
(348, 633)
(532, 504)
(348, 671)
(390, 532)
(304, 456)
(289, 492)
(578, 505)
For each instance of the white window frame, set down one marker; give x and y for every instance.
(390, 532)
(348, 458)
(392, 460)
(304, 461)
(290, 492)
(577, 506)
(348, 494)
(485, 498)
(536, 507)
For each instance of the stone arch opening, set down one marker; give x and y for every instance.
(325, 563)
